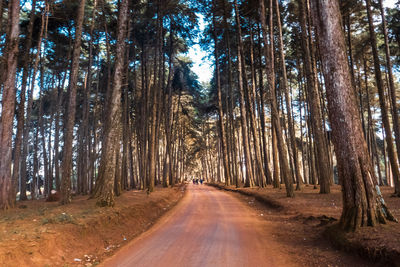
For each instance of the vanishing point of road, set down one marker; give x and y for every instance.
(208, 227)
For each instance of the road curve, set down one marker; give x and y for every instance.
(208, 227)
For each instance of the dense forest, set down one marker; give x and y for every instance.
(98, 97)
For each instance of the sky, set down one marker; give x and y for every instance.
(204, 68)
(389, 3)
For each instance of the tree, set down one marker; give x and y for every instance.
(104, 190)
(324, 171)
(222, 130)
(392, 89)
(8, 105)
(70, 121)
(299, 179)
(21, 107)
(269, 55)
(243, 115)
(362, 201)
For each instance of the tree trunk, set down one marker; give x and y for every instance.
(324, 170)
(382, 102)
(392, 89)
(269, 56)
(21, 105)
(285, 89)
(154, 105)
(221, 127)
(43, 136)
(243, 116)
(275, 158)
(71, 109)
(2, 2)
(104, 190)
(251, 94)
(167, 170)
(262, 113)
(230, 105)
(7, 195)
(362, 201)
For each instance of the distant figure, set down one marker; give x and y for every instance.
(201, 181)
(194, 181)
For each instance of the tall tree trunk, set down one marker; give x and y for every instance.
(392, 88)
(167, 170)
(230, 105)
(382, 102)
(269, 56)
(126, 128)
(71, 109)
(104, 190)
(41, 127)
(21, 105)
(243, 116)
(154, 105)
(25, 142)
(60, 96)
(362, 201)
(35, 175)
(221, 127)
(251, 94)
(285, 89)
(2, 2)
(262, 113)
(324, 170)
(7, 195)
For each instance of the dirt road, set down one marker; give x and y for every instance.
(207, 228)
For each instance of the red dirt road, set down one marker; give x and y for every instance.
(207, 228)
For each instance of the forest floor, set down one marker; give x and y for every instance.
(39, 233)
(305, 223)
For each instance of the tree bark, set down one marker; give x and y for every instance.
(104, 190)
(7, 195)
(251, 94)
(243, 116)
(269, 56)
(285, 89)
(324, 170)
(382, 102)
(221, 127)
(392, 88)
(71, 109)
(362, 201)
(21, 105)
